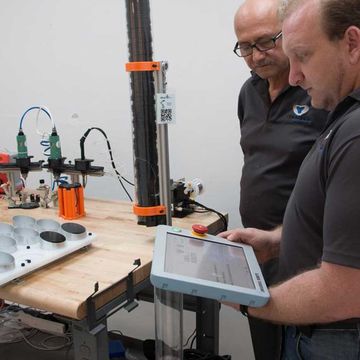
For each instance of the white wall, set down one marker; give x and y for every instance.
(69, 55)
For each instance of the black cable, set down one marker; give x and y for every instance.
(117, 332)
(192, 342)
(188, 339)
(119, 176)
(222, 217)
(190, 354)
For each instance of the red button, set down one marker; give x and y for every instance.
(200, 229)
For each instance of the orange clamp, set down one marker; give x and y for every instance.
(149, 210)
(142, 66)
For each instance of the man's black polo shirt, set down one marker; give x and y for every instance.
(275, 138)
(322, 219)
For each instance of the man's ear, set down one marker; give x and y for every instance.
(352, 38)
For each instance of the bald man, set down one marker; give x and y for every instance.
(278, 127)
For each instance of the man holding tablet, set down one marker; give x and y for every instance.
(207, 266)
(319, 243)
(278, 127)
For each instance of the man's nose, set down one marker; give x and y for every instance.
(258, 55)
(296, 76)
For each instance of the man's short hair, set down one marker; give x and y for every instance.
(336, 16)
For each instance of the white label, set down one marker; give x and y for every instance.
(165, 109)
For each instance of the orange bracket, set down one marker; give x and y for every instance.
(143, 66)
(71, 201)
(149, 210)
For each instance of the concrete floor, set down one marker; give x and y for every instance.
(22, 351)
(234, 335)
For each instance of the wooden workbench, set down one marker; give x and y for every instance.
(63, 286)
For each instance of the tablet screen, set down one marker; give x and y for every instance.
(207, 260)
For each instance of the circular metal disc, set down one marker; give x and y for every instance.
(47, 225)
(7, 262)
(26, 236)
(6, 229)
(52, 237)
(23, 221)
(7, 244)
(52, 240)
(74, 231)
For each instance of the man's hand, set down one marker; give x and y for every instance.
(265, 243)
(232, 305)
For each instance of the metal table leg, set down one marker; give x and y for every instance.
(90, 344)
(207, 326)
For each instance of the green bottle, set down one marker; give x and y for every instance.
(55, 149)
(21, 145)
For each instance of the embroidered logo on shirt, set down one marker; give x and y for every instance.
(300, 110)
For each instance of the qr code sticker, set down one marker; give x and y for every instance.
(165, 108)
(166, 115)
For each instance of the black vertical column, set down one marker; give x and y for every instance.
(143, 109)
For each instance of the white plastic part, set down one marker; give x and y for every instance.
(45, 325)
(194, 188)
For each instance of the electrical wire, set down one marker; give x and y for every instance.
(44, 134)
(43, 346)
(188, 339)
(40, 108)
(116, 332)
(190, 354)
(67, 337)
(11, 307)
(29, 334)
(61, 180)
(9, 325)
(222, 217)
(46, 144)
(192, 342)
(119, 176)
(26, 333)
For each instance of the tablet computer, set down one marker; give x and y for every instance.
(207, 266)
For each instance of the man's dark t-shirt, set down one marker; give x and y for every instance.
(275, 138)
(322, 219)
